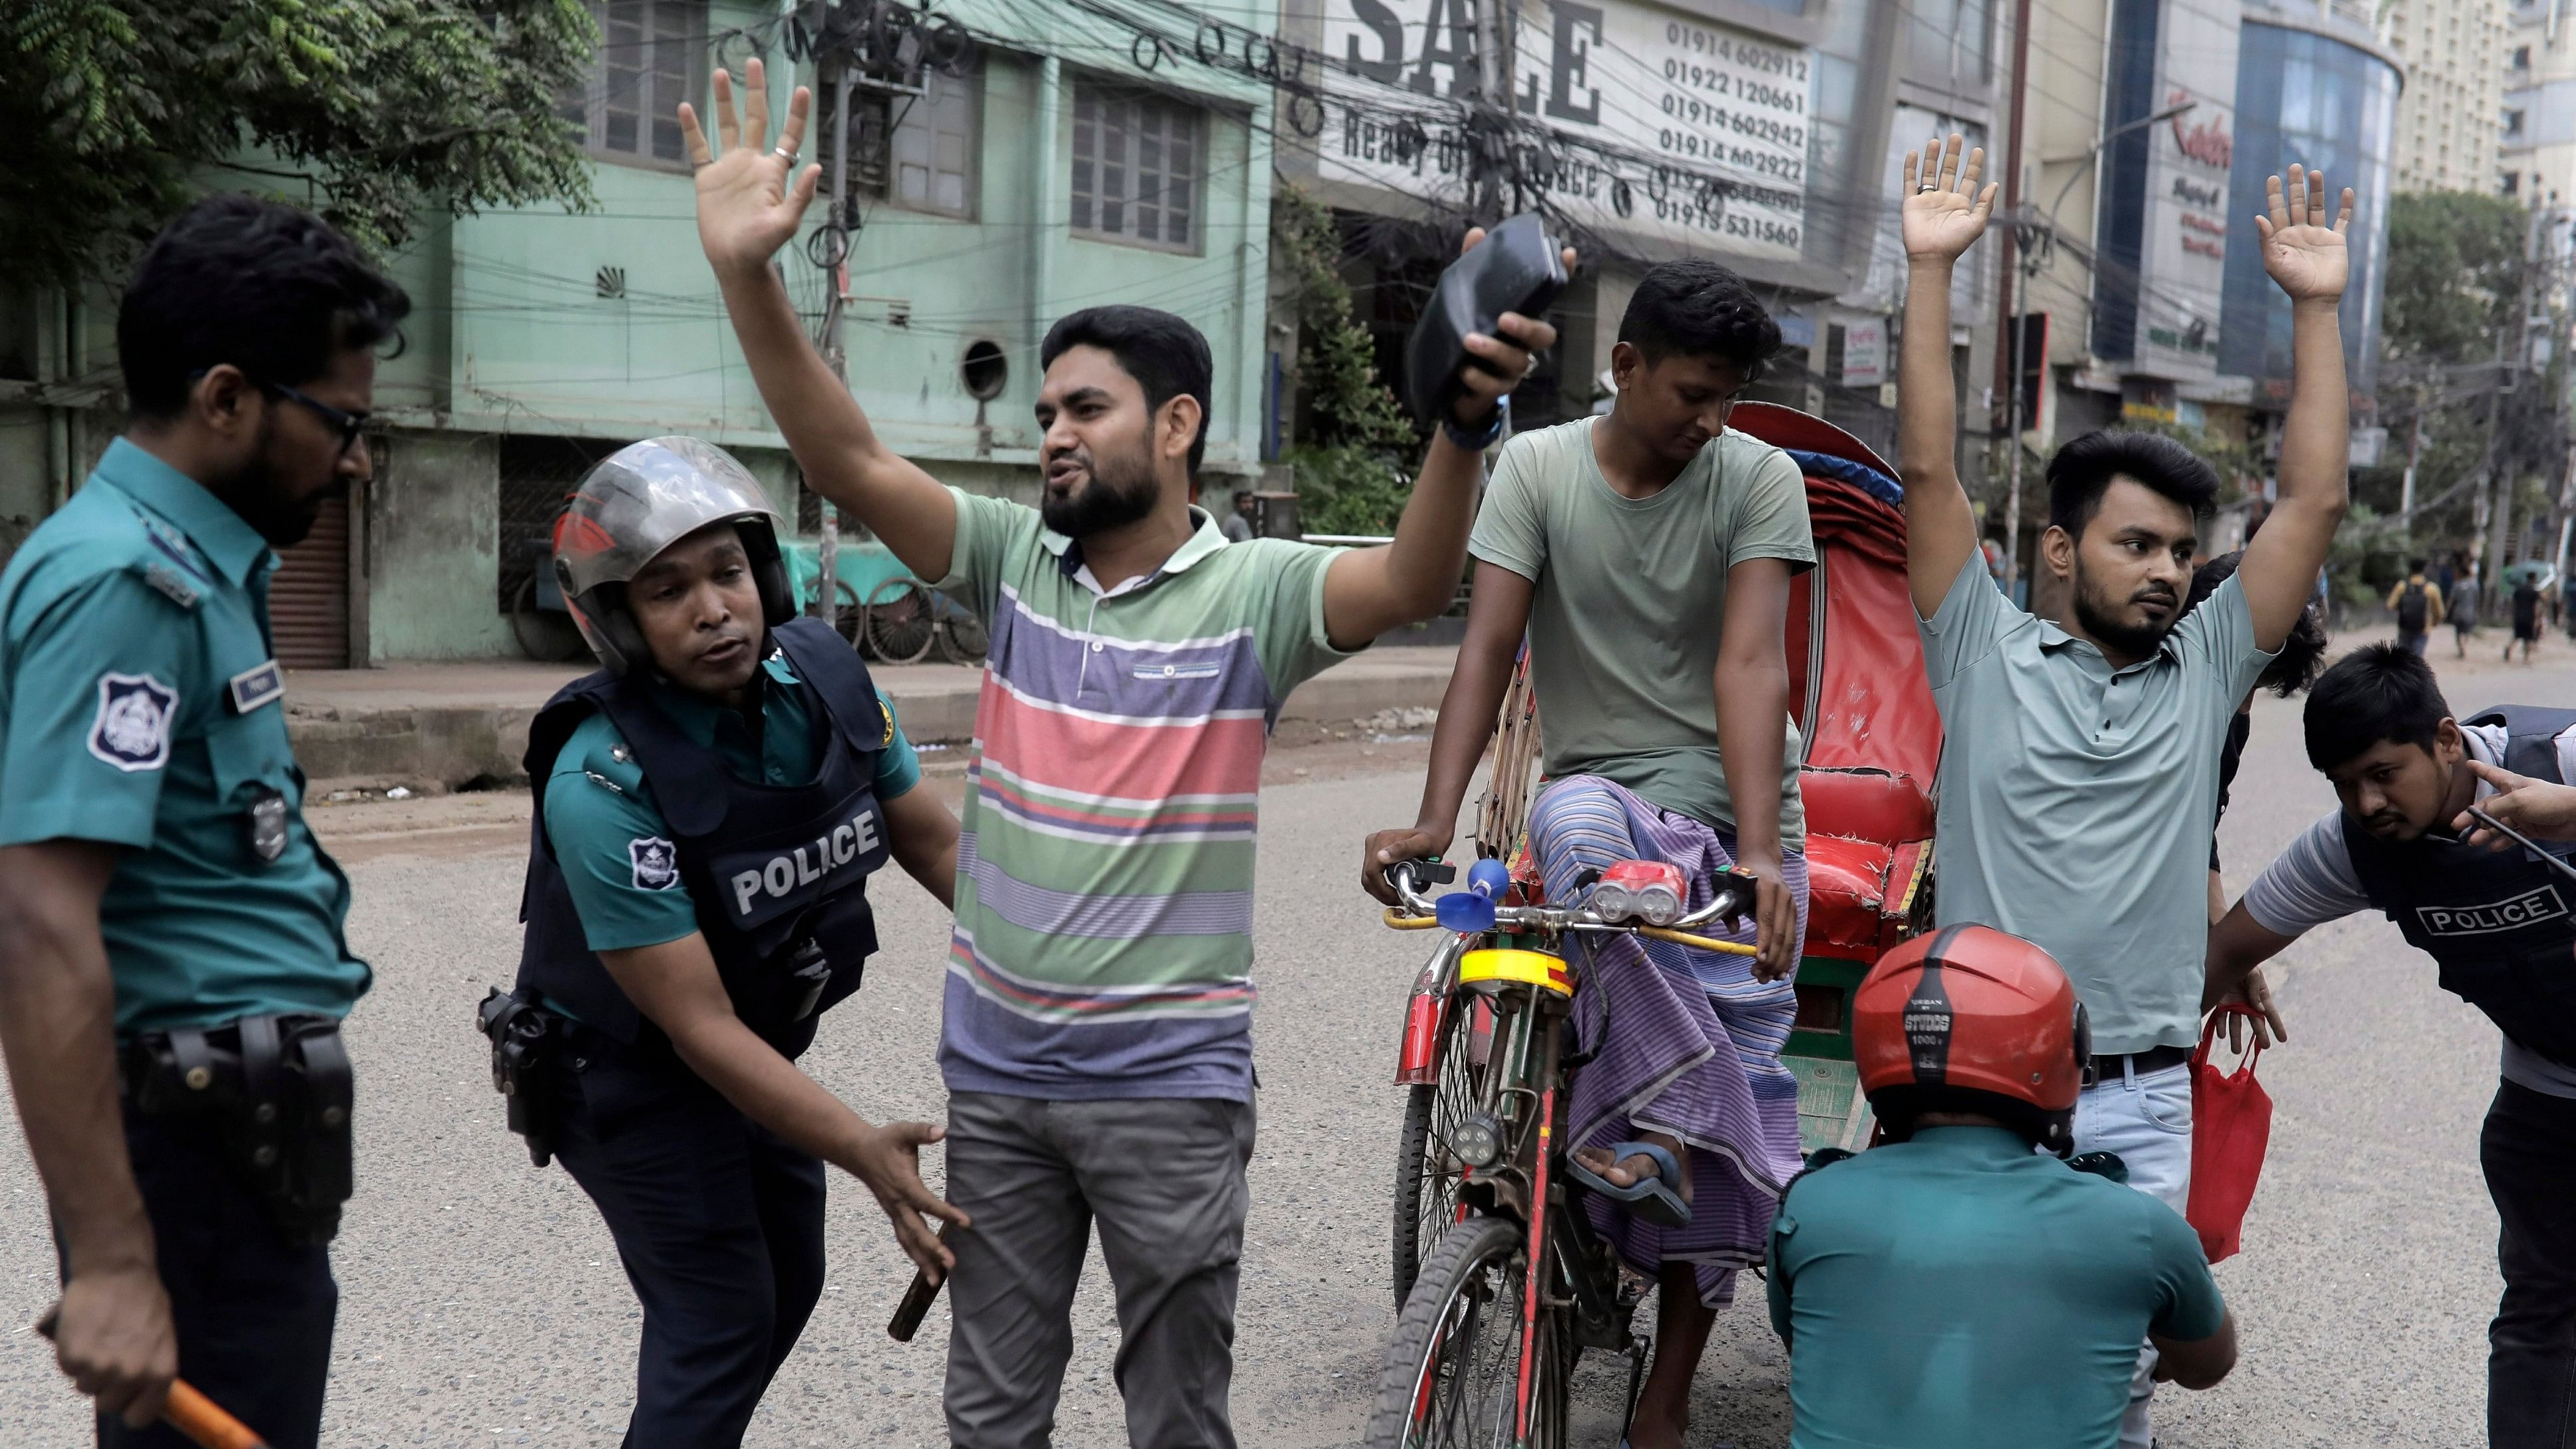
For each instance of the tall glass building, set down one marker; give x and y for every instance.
(2306, 93)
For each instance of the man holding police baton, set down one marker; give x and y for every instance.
(2438, 830)
(173, 969)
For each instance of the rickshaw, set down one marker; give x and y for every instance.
(1500, 1281)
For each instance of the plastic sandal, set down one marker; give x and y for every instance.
(1655, 1200)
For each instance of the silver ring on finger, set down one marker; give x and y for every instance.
(784, 153)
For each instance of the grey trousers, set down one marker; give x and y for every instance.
(1164, 1178)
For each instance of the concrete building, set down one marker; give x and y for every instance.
(1074, 157)
(2539, 122)
(2450, 120)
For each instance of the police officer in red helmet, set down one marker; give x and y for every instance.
(1961, 1284)
(710, 807)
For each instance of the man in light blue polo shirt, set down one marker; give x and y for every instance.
(2079, 778)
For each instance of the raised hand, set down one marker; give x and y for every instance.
(1944, 213)
(2303, 254)
(750, 200)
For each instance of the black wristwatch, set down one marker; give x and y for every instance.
(1484, 437)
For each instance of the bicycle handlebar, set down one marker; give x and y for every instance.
(1417, 913)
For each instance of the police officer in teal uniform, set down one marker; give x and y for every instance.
(715, 799)
(173, 968)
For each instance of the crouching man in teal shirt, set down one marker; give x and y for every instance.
(1962, 1286)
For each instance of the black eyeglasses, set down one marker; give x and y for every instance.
(350, 424)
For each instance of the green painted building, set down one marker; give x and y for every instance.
(1068, 155)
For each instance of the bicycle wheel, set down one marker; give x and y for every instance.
(1453, 1370)
(899, 628)
(1427, 1176)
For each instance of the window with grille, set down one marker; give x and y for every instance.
(1136, 166)
(934, 146)
(651, 57)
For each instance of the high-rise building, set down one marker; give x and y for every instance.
(2450, 118)
(2539, 110)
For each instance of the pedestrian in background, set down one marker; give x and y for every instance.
(173, 965)
(2417, 602)
(2462, 608)
(1238, 519)
(2526, 616)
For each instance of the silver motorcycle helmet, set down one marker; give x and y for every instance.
(638, 502)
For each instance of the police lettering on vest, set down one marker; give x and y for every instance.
(777, 875)
(761, 892)
(2496, 922)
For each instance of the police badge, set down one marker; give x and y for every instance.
(132, 731)
(656, 862)
(267, 826)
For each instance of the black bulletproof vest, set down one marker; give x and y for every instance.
(778, 874)
(2497, 922)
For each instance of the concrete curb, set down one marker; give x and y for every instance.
(373, 737)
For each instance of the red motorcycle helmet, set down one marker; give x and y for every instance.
(1969, 1019)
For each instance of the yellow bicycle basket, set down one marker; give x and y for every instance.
(1528, 968)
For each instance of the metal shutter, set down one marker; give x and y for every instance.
(308, 597)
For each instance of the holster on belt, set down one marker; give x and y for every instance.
(277, 1090)
(527, 1050)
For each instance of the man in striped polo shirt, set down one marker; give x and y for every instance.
(1097, 1040)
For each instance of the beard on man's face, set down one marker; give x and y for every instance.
(2100, 614)
(1119, 490)
(260, 493)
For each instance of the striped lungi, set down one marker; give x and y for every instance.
(1684, 1042)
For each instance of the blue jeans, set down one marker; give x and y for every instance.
(2146, 1118)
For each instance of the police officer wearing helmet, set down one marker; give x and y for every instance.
(1954, 1286)
(2495, 918)
(173, 969)
(714, 800)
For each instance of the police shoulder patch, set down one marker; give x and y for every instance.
(171, 584)
(887, 710)
(656, 862)
(132, 730)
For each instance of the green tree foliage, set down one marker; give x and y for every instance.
(2454, 290)
(372, 109)
(2454, 273)
(1349, 475)
(1336, 358)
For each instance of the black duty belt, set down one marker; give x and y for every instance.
(276, 1089)
(2153, 1059)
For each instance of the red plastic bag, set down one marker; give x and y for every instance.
(2231, 1124)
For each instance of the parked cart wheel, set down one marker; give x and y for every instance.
(900, 627)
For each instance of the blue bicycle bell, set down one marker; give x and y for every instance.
(1471, 911)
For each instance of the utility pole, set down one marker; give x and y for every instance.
(1491, 126)
(827, 551)
(2499, 484)
(2008, 364)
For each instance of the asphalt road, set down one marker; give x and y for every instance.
(482, 1302)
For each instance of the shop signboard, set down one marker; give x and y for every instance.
(2183, 262)
(1635, 119)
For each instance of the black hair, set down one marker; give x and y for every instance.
(2415, 566)
(1697, 308)
(1166, 355)
(2302, 654)
(274, 291)
(2377, 693)
(2082, 471)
